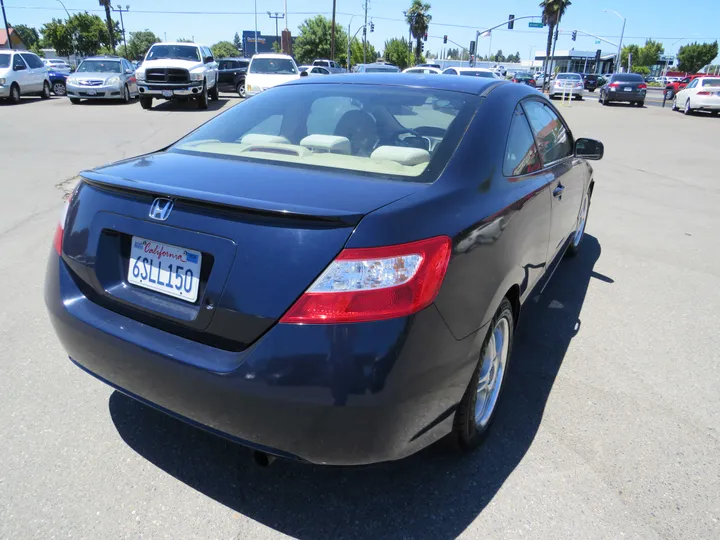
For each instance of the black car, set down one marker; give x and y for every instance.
(627, 87)
(524, 77)
(332, 271)
(231, 75)
(591, 81)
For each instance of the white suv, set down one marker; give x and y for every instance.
(178, 70)
(22, 73)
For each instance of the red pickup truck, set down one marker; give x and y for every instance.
(674, 87)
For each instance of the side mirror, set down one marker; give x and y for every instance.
(18, 68)
(304, 74)
(129, 71)
(589, 149)
(207, 59)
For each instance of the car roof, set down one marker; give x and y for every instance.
(465, 68)
(468, 85)
(271, 55)
(101, 57)
(179, 43)
(234, 58)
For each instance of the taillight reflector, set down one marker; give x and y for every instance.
(60, 229)
(703, 93)
(614, 85)
(642, 85)
(372, 284)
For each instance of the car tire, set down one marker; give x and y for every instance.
(687, 110)
(214, 93)
(714, 113)
(606, 101)
(674, 104)
(580, 223)
(74, 100)
(45, 94)
(14, 93)
(473, 419)
(146, 102)
(202, 99)
(59, 88)
(640, 104)
(125, 95)
(240, 89)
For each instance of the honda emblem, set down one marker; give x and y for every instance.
(160, 209)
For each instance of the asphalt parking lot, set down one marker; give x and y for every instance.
(610, 424)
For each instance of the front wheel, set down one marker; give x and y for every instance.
(202, 99)
(146, 102)
(579, 233)
(59, 88)
(125, 94)
(45, 94)
(214, 93)
(240, 89)
(15, 94)
(477, 408)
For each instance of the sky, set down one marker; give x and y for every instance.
(210, 21)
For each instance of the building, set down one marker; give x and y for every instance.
(264, 43)
(573, 61)
(15, 40)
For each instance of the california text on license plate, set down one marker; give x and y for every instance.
(165, 268)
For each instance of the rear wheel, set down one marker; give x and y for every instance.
(477, 407)
(579, 233)
(606, 101)
(59, 88)
(45, 94)
(674, 104)
(146, 102)
(688, 110)
(202, 99)
(714, 113)
(240, 89)
(640, 103)
(14, 93)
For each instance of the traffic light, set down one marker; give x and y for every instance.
(511, 21)
(422, 46)
(574, 35)
(444, 39)
(372, 26)
(425, 37)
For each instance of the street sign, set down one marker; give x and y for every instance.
(535, 25)
(667, 58)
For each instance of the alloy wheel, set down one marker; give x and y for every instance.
(581, 220)
(59, 89)
(492, 372)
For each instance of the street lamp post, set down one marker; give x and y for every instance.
(256, 51)
(622, 33)
(276, 17)
(122, 24)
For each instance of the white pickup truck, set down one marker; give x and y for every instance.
(178, 71)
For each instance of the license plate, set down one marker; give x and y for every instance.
(165, 268)
(91, 92)
(628, 88)
(167, 93)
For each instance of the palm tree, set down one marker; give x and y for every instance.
(553, 10)
(418, 18)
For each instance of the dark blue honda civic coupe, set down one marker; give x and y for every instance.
(331, 271)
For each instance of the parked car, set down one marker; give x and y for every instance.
(567, 84)
(673, 87)
(378, 67)
(58, 82)
(331, 65)
(471, 72)
(591, 81)
(58, 65)
(702, 94)
(300, 273)
(436, 66)
(22, 73)
(231, 75)
(314, 70)
(102, 77)
(422, 70)
(628, 87)
(178, 71)
(524, 77)
(268, 70)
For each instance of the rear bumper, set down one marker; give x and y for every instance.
(341, 395)
(619, 95)
(709, 103)
(575, 92)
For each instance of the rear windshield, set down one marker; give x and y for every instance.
(4, 60)
(179, 52)
(627, 77)
(100, 66)
(274, 66)
(711, 82)
(396, 132)
(573, 76)
(474, 73)
(523, 75)
(381, 70)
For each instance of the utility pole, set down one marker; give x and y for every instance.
(276, 17)
(365, 6)
(7, 27)
(256, 51)
(122, 24)
(108, 18)
(332, 33)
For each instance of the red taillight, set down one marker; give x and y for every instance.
(531, 81)
(372, 284)
(60, 229)
(514, 80)
(614, 85)
(642, 85)
(703, 93)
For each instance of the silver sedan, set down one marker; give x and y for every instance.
(103, 77)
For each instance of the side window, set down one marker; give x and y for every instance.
(521, 155)
(554, 141)
(32, 61)
(693, 84)
(325, 114)
(18, 62)
(224, 64)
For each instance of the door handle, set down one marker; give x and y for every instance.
(558, 191)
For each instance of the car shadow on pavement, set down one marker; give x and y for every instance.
(188, 105)
(436, 493)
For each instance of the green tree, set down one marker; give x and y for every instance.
(397, 51)
(650, 53)
(356, 51)
(552, 13)
(140, 42)
(418, 17)
(453, 54)
(499, 56)
(313, 40)
(184, 40)
(82, 32)
(29, 35)
(276, 46)
(641, 70)
(694, 56)
(627, 50)
(237, 42)
(224, 49)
